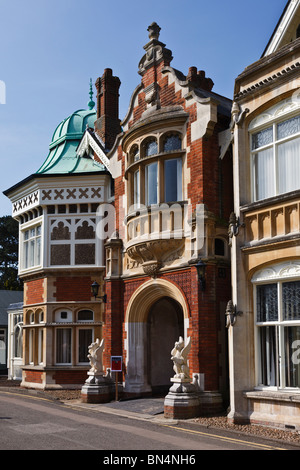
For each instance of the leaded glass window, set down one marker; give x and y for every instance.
(151, 147)
(278, 334)
(267, 303)
(291, 300)
(172, 142)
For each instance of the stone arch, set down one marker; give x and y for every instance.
(148, 293)
(138, 372)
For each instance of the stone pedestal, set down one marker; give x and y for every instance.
(97, 389)
(182, 401)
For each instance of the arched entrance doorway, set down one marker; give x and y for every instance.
(156, 311)
(165, 325)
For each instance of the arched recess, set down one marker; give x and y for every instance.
(148, 293)
(139, 367)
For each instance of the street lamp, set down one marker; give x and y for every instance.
(200, 266)
(95, 289)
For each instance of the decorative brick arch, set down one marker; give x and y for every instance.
(144, 297)
(137, 378)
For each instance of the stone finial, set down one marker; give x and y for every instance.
(154, 31)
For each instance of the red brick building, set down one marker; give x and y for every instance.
(167, 210)
(172, 200)
(60, 257)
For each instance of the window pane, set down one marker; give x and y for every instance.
(136, 190)
(173, 180)
(85, 315)
(63, 346)
(289, 166)
(85, 339)
(151, 184)
(38, 251)
(262, 138)
(172, 142)
(292, 357)
(264, 171)
(291, 300)
(26, 255)
(31, 251)
(268, 355)
(289, 127)
(151, 148)
(267, 303)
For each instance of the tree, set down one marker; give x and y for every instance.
(9, 242)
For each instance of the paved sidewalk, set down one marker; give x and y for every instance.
(138, 408)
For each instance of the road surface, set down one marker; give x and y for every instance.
(35, 423)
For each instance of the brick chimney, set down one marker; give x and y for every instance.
(107, 125)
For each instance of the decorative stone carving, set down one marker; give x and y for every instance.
(155, 50)
(182, 400)
(95, 358)
(98, 388)
(179, 355)
(152, 253)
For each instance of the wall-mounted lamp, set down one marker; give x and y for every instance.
(95, 289)
(231, 314)
(200, 266)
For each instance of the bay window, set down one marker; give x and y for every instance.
(155, 170)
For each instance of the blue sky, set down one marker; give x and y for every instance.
(51, 48)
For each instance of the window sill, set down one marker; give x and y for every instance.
(274, 395)
(271, 201)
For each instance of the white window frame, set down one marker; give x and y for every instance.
(277, 275)
(35, 241)
(281, 112)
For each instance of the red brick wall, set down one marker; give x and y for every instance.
(33, 376)
(73, 288)
(34, 292)
(69, 377)
(113, 318)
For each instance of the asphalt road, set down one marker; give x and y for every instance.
(35, 423)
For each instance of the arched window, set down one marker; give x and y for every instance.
(171, 142)
(134, 154)
(18, 340)
(85, 315)
(150, 147)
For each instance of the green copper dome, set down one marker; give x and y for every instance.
(62, 157)
(73, 127)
